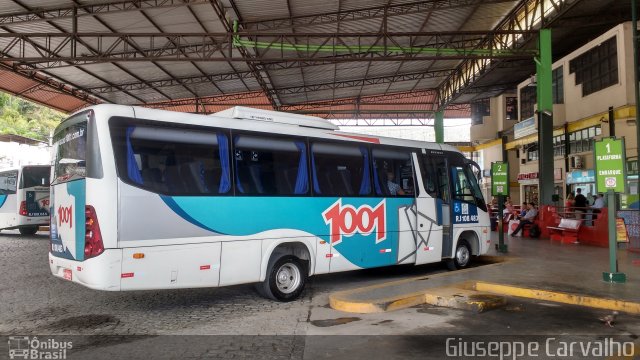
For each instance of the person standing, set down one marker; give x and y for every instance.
(580, 204)
(598, 204)
(568, 204)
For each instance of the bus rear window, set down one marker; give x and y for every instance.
(70, 147)
(35, 176)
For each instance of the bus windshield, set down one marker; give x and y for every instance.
(33, 176)
(70, 147)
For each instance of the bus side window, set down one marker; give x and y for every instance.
(397, 163)
(172, 161)
(429, 176)
(340, 170)
(268, 166)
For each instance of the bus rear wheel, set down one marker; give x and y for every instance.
(285, 280)
(29, 230)
(462, 257)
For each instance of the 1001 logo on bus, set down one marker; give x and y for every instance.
(347, 221)
(65, 215)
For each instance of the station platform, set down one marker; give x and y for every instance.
(533, 268)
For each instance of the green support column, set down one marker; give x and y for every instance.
(545, 117)
(439, 126)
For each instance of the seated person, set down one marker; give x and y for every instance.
(527, 218)
(394, 189)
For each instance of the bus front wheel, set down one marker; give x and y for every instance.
(29, 230)
(462, 257)
(285, 280)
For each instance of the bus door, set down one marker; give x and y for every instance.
(433, 208)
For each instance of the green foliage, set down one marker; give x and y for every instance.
(22, 117)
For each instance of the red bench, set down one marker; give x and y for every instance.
(566, 231)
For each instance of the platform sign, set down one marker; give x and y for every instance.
(610, 165)
(499, 178)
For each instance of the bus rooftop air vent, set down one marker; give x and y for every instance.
(241, 112)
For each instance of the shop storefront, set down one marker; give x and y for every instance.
(528, 187)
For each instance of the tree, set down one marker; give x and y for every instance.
(25, 118)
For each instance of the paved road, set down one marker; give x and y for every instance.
(32, 302)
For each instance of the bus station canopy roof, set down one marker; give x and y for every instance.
(340, 59)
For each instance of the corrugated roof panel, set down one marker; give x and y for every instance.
(233, 86)
(10, 8)
(144, 70)
(406, 22)
(399, 86)
(488, 16)
(217, 67)
(351, 70)
(383, 68)
(286, 77)
(204, 89)
(175, 20)
(359, 26)
(310, 7)
(130, 22)
(319, 74)
(77, 77)
(14, 83)
(409, 67)
(429, 83)
(109, 72)
(262, 9)
(448, 19)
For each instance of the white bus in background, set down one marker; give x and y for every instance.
(24, 198)
(151, 199)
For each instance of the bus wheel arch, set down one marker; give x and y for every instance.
(286, 273)
(467, 245)
(296, 248)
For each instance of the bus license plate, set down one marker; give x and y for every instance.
(67, 274)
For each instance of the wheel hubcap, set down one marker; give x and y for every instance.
(462, 255)
(288, 278)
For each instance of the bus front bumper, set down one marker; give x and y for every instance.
(99, 273)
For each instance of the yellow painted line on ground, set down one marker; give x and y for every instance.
(558, 296)
(343, 300)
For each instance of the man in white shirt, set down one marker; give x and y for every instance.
(527, 218)
(598, 204)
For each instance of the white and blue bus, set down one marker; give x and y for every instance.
(152, 199)
(24, 198)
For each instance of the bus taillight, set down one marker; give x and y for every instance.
(23, 208)
(93, 238)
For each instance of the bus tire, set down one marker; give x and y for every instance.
(29, 230)
(461, 258)
(285, 280)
